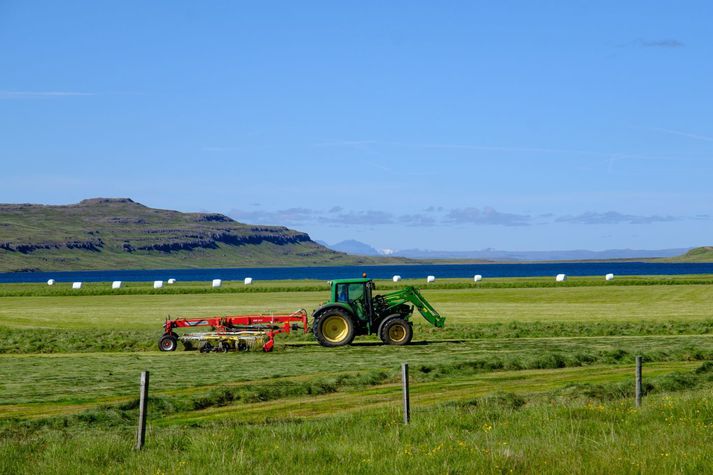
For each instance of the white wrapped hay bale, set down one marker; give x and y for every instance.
(171, 281)
(248, 280)
(216, 283)
(477, 278)
(430, 278)
(561, 277)
(76, 285)
(396, 278)
(116, 284)
(609, 277)
(157, 284)
(50, 282)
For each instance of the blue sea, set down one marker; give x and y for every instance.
(377, 272)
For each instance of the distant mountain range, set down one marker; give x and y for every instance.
(358, 248)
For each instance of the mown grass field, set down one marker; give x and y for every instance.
(526, 377)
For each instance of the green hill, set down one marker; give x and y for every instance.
(118, 233)
(697, 254)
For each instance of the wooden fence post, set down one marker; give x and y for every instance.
(143, 402)
(638, 381)
(404, 380)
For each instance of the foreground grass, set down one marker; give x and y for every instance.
(502, 433)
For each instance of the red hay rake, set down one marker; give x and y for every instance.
(232, 332)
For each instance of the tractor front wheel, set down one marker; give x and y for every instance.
(334, 328)
(168, 342)
(396, 332)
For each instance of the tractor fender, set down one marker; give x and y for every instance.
(344, 306)
(386, 319)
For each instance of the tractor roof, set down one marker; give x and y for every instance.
(359, 280)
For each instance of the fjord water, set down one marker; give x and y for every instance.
(377, 272)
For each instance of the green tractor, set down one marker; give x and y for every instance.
(353, 310)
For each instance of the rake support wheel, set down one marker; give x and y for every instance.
(168, 342)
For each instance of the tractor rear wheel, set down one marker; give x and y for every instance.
(334, 327)
(168, 342)
(396, 331)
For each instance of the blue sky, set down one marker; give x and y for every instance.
(440, 125)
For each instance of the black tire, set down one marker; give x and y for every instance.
(206, 347)
(334, 327)
(396, 331)
(168, 342)
(385, 321)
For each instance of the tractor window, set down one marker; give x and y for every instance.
(356, 292)
(350, 292)
(342, 293)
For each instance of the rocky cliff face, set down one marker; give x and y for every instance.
(123, 231)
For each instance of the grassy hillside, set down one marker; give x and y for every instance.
(106, 233)
(698, 254)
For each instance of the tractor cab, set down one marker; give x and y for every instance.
(356, 294)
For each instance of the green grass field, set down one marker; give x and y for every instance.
(526, 377)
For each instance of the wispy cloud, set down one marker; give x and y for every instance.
(369, 217)
(345, 143)
(290, 216)
(606, 159)
(417, 220)
(339, 216)
(613, 217)
(505, 149)
(301, 216)
(455, 146)
(42, 94)
(485, 216)
(681, 133)
(438, 216)
(664, 43)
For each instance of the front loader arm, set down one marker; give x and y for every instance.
(412, 295)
